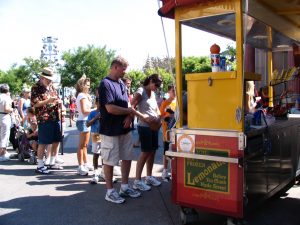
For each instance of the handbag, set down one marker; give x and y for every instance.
(155, 125)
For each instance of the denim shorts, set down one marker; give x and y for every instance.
(49, 132)
(148, 138)
(81, 126)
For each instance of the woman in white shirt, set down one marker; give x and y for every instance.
(5, 120)
(84, 107)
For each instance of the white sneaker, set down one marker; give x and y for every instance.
(117, 171)
(114, 197)
(59, 160)
(152, 181)
(89, 167)
(82, 171)
(139, 184)
(4, 158)
(95, 179)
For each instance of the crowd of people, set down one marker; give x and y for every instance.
(108, 121)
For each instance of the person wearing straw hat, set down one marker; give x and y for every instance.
(47, 104)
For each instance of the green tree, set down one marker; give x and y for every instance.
(194, 64)
(230, 54)
(10, 78)
(92, 61)
(136, 77)
(154, 63)
(19, 76)
(167, 78)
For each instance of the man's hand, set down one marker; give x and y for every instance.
(127, 122)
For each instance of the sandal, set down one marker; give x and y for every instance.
(42, 170)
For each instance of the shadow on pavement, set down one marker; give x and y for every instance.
(88, 207)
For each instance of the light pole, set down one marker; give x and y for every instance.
(49, 55)
(49, 52)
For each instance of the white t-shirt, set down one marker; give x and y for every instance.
(88, 103)
(4, 100)
(147, 105)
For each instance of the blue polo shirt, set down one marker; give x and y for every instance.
(112, 92)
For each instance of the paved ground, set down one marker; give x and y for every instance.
(64, 198)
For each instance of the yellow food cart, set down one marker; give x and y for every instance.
(218, 164)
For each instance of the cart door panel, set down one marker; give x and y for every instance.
(214, 186)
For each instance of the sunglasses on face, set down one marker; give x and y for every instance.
(157, 84)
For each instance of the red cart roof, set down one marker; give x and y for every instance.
(167, 10)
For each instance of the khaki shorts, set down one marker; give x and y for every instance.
(115, 148)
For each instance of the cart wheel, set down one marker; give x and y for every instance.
(233, 221)
(21, 157)
(188, 216)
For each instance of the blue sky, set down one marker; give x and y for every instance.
(131, 27)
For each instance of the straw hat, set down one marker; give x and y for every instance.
(48, 73)
(26, 90)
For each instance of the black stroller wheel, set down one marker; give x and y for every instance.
(21, 157)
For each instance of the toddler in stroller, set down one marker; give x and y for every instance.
(27, 144)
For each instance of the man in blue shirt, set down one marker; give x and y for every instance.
(116, 139)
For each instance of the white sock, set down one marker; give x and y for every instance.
(52, 160)
(96, 172)
(40, 163)
(47, 161)
(124, 187)
(109, 191)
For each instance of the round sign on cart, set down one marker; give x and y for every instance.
(186, 143)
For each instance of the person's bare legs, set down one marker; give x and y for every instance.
(2, 151)
(125, 170)
(108, 172)
(82, 147)
(54, 149)
(150, 162)
(165, 162)
(140, 164)
(40, 151)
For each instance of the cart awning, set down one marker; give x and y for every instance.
(167, 9)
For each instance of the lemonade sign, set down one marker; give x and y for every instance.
(207, 175)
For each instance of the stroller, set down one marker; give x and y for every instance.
(24, 148)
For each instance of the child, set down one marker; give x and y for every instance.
(93, 121)
(29, 118)
(72, 107)
(167, 109)
(32, 136)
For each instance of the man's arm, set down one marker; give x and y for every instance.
(117, 110)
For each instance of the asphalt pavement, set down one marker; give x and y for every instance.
(65, 198)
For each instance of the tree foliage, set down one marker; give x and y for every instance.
(10, 78)
(155, 63)
(136, 77)
(92, 61)
(167, 78)
(20, 76)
